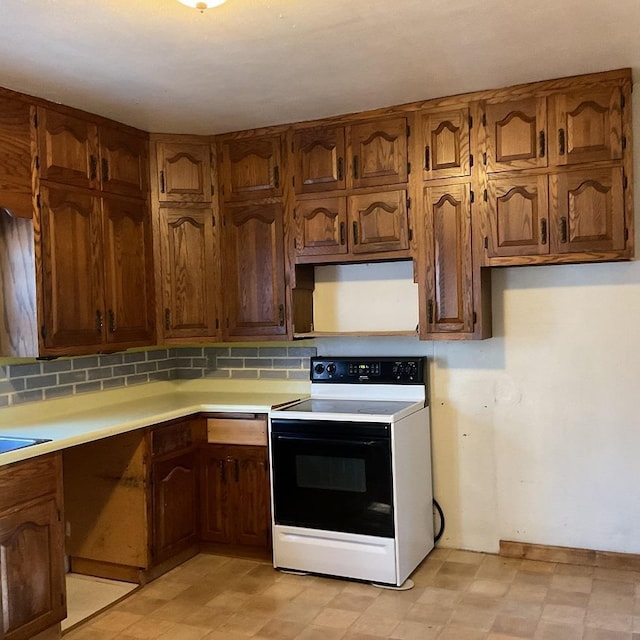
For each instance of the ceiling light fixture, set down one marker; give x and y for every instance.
(198, 4)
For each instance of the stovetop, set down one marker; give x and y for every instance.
(340, 406)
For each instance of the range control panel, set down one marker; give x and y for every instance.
(387, 370)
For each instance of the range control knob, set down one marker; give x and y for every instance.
(319, 368)
(331, 368)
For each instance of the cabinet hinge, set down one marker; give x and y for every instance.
(408, 168)
(626, 234)
(471, 160)
(486, 195)
(475, 317)
(470, 122)
(624, 142)
(472, 196)
(484, 158)
(35, 120)
(484, 119)
(408, 130)
(623, 102)
(486, 242)
(408, 203)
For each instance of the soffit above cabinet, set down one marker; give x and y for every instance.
(164, 67)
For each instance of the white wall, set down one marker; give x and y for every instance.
(536, 431)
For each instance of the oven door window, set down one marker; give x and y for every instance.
(333, 479)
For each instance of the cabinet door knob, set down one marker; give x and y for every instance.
(430, 312)
(543, 231)
(356, 167)
(342, 233)
(98, 321)
(427, 158)
(543, 143)
(223, 477)
(340, 169)
(564, 229)
(561, 142)
(112, 321)
(281, 315)
(162, 182)
(167, 319)
(93, 167)
(105, 170)
(276, 177)
(355, 232)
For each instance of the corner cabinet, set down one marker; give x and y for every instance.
(254, 271)
(31, 548)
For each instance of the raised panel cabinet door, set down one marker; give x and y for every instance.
(518, 216)
(71, 252)
(587, 125)
(127, 270)
(588, 211)
(251, 168)
(378, 153)
(447, 306)
(445, 142)
(188, 273)
(250, 506)
(175, 505)
(214, 502)
(379, 222)
(124, 163)
(516, 134)
(321, 227)
(253, 271)
(184, 172)
(15, 151)
(320, 160)
(67, 149)
(31, 569)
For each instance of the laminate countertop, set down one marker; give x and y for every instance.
(78, 419)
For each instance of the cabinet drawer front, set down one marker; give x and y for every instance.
(28, 480)
(172, 437)
(223, 431)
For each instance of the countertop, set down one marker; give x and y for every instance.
(83, 418)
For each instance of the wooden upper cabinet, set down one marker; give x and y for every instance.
(445, 144)
(188, 273)
(15, 151)
(446, 290)
(589, 211)
(184, 172)
(71, 293)
(379, 222)
(127, 265)
(319, 159)
(518, 216)
(124, 166)
(378, 153)
(516, 135)
(253, 271)
(321, 227)
(587, 125)
(67, 149)
(251, 168)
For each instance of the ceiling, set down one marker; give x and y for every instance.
(164, 67)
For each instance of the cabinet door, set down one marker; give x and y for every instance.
(128, 265)
(518, 216)
(321, 227)
(319, 158)
(184, 172)
(71, 248)
(447, 304)
(31, 569)
(251, 168)
(214, 504)
(250, 506)
(15, 151)
(588, 209)
(175, 505)
(254, 271)
(588, 126)
(379, 222)
(378, 153)
(445, 138)
(68, 149)
(516, 134)
(188, 273)
(124, 165)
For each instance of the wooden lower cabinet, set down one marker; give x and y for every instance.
(31, 548)
(235, 495)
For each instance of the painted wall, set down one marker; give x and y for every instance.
(536, 432)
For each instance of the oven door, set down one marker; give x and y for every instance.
(332, 475)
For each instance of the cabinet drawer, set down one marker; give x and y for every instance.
(28, 480)
(172, 437)
(237, 431)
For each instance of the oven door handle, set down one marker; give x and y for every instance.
(358, 443)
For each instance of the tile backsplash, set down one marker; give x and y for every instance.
(34, 381)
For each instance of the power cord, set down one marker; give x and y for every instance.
(438, 508)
